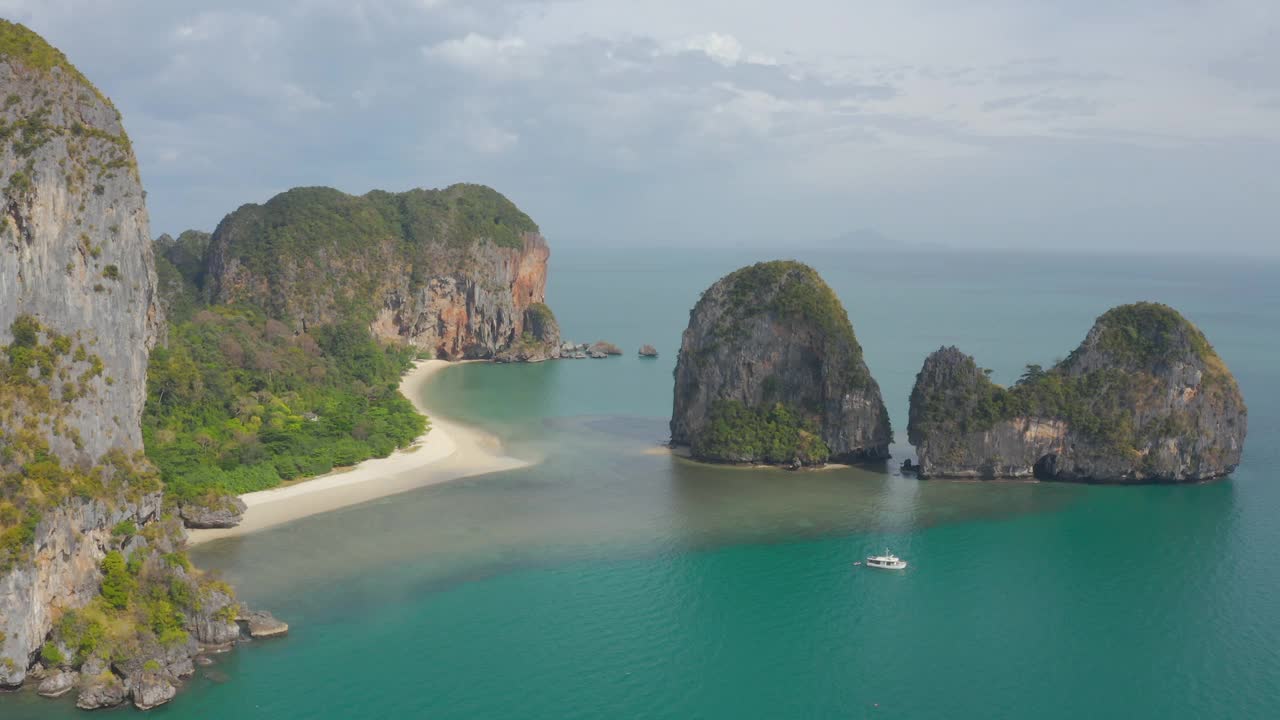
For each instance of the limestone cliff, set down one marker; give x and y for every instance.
(74, 234)
(769, 371)
(1144, 398)
(452, 271)
(77, 319)
(96, 592)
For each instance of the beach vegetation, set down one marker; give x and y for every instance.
(237, 402)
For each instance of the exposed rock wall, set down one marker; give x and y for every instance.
(75, 247)
(473, 313)
(768, 335)
(1144, 398)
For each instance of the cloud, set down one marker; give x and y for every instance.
(723, 49)
(507, 56)
(733, 116)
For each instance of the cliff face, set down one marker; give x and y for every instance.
(452, 271)
(77, 319)
(769, 370)
(75, 240)
(1143, 399)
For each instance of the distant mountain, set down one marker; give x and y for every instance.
(869, 239)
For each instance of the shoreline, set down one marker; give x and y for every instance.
(447, 451)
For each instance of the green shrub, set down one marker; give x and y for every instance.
(52, 656)
(117, 583)
(776, 435)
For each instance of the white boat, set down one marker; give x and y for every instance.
(887, 561)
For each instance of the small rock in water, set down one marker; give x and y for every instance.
(57, 683)
(600, 348)
(101, 691)
(648, 351)
(262, 624)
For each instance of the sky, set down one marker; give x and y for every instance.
(1133, 126)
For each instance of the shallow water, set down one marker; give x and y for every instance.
(614, 580)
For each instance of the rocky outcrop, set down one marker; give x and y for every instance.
(769, 371)
(602, 349)
(58, 682)
(451, 271)
(539, 341)
(151, 688)
(214, 622)
(222, 511)
(70, 543)
(262, 624)
(101, 690)
(1145, 398)
(648, 351)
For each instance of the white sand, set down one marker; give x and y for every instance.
(447, 451)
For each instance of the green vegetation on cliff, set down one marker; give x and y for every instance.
(237, 402)
(144, 603)
(18, 43)
(41, 372)
(180, 269)
(789, 289)
(295, 223)
(29, 119)
(774, 435)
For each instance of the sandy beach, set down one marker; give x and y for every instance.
(447, 451)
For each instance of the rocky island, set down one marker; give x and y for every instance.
(97, 595)
(769, 371)
(459, 273)
(1145, 398)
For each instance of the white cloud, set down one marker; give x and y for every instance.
(499, 57)
(720, 48)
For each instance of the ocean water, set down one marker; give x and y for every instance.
(612, 580)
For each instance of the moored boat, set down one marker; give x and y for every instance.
(887, 561)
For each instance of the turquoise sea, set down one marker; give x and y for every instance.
(611, 580)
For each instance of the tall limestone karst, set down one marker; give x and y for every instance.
(95, 592)
(769, 371)
(453, 271)
(77, 319)
(1144, 398)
